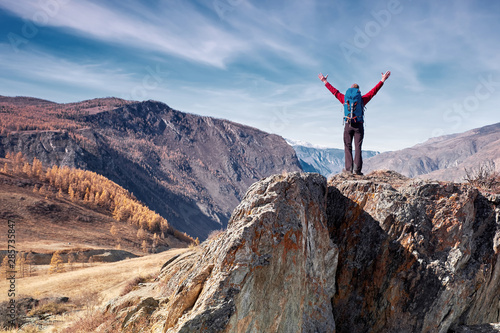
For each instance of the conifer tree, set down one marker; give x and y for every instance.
(4, 268)
(56, 263)
(37, 168)
(71, 192)
(144, 246)
(141, 234)
(27, 169)
(113, 230)
(156, 240)
(21, 264)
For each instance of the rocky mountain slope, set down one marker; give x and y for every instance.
(192, 170)
(444, 157)
(325, 161)
(379, 253)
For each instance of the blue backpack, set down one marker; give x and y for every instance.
(353, 106)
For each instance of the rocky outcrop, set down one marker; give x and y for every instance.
(50, 147)
(415, 256)
(378, 253)
(272, 270)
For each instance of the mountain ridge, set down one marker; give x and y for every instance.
(191, 169)
(323, 160)
(446, 157)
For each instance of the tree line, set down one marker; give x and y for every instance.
(93, 190)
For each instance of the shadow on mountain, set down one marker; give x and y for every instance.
(180, 211)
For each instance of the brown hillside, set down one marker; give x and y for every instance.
(444, 158)
(47, 219)
(28, 113)
(191, 170)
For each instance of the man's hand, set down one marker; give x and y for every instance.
(385, 76)
(323, 78)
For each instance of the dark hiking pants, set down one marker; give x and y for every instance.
(353, 131)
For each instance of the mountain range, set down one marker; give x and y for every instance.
(190, 169)
(323, 160)
(447, 157)
(193, 170)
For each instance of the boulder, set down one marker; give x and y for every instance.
(414, 256)
(272, 270)
(376, 253)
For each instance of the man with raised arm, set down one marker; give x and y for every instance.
(354, 105)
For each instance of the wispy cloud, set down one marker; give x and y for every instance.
(257, 62)
(54, 75)
(179, 31)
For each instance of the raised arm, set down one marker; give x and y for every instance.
(332, 89)
(368, 96)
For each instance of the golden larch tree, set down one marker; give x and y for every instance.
(56, 263)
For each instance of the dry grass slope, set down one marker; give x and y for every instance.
(86, 288)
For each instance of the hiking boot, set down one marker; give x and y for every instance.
(347, 172)
(359, 173)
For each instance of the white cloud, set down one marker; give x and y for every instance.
(62, 79)
(183, 33)
(259, 61)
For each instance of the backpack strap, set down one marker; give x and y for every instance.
(351, 117)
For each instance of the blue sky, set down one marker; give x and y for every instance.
(257, 62)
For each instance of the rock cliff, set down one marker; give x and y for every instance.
(415, 256)
(379, 253)
(272, 270)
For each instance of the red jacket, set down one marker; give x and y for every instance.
(366, 97)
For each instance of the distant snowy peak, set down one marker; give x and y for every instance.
(293, 143)
(324, 160)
